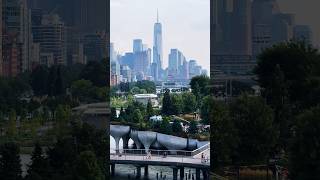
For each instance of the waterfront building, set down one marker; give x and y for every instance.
(145, 98)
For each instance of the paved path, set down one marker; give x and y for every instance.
(171, 160)
(168, 159)
(206, 154)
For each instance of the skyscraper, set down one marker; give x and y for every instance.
(16, 37)
(282, 27)
(52, 39)
(192, 68)
(137, 45)
(242, 27)
(173, 63)
(302, 33)
(262, 14)
(95, 46)
(157, 45)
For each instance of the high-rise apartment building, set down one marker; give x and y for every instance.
(51, 36)
(80, 19)
(16, 37)
(242, 29)
(95, 46)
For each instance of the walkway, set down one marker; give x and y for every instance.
(139, 159)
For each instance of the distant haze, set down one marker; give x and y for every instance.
(307, 13)
(185, 26)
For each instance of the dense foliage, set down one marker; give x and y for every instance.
(81, 156)
(282, 123)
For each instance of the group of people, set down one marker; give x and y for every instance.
(165, 154)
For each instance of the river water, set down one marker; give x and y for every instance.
(125, 172)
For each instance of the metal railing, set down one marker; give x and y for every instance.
(174, 156)
(200, 149)
(154, 152)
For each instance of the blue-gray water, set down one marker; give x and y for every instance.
(125, 172)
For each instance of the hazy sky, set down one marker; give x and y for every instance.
(185, 25)
(307, 13)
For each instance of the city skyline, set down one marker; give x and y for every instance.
(197, 28)
(306, 15)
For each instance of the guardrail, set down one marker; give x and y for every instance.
(152, 151)
(201, 149)
(162, 152)
(158, 155)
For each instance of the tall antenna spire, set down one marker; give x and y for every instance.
(157, 15)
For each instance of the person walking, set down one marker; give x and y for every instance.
(202, 158)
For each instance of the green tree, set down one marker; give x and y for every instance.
(124, 87)
(149, 86)
(256, 132)
(289, 76)
(135, 90)
(82, 89)
(197, 93)
(39, 78)
(96, 72)
(304, 151)
(176, 127)
(52, 79)
(165, 126)
(289, 70)
(39, 166)
(63, 117)
(58, 84)
(189, 103)
(113, 114)
(166, 104)
(90, 139)
(62, 156)
(122, 114)
(224, 137)
(150, 111)
(199, 84)
(176, 104)
(206, 107)
(137, 116)
(193, 127)
(10, 166)
(12, 124)
(88, 168)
